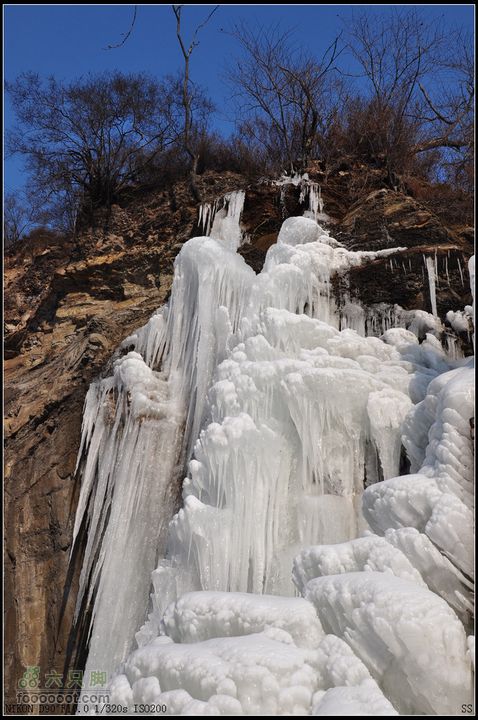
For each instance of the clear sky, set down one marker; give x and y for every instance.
(70, 40)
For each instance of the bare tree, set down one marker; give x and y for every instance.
(420, 99)
(17, 219)
(84, 139)
(187, 95)
(284, 94)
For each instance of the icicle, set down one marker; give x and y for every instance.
(304, 188)
(452, 348)
(461, 271)
(471, 270)
(431, 284)
(315, 210)
(207, 213)
(471, 309)
(226, 223)
(221, 219)
(314, 195)
(201, 220)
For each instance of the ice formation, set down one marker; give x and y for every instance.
(461, 321)
(223, 223)
(204, 615)
(313, 191)
(258, 674)
(409, 639)
(286, 421)
(128, 420)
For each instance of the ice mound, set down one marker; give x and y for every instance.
(365, 699)
(204, 615)
(257, 674)
(409, 638)
(370, 553)
(298, 230)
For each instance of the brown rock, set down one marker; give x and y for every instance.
(386, 219)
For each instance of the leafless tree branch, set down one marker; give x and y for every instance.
(126, 35)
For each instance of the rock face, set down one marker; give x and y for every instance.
(386, 219)
(69, 306)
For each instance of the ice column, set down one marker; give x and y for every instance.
(132, 440)
(127, 498)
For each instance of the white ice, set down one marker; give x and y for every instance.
(409, 638)
(257, 674)
(366, 699)
(204, 615)
(129, 419)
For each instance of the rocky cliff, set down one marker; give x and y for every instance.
(68, 306)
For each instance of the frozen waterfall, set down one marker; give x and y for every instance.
(290, 432)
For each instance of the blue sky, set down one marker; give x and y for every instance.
(70, 40)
